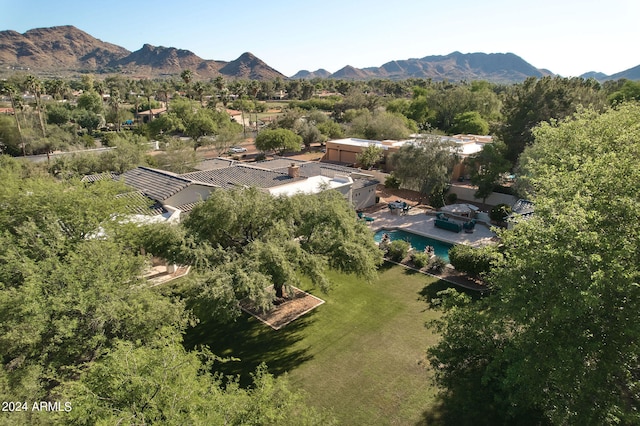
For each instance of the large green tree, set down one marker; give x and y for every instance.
(425, 166)
(487, 166)
(370, 155)
(379, 125)
(536, 100)
(280, 140)
(66, 291)
(244, 240)
(162, 383)
(80, 327)
(557, 341)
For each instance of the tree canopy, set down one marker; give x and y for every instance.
(487, 166)
(424, 166)
(278, 140)
(80, 324)
(370, 156)
(557, 341)
(263, 240)
(541, 100)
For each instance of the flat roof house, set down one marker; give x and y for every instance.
(346, 150)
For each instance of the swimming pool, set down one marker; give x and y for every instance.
(418, 242)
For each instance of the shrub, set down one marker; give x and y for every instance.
(500, 212)
(473, 261)
(397, 250)
(437, 265)
(392, 182)
(452, 197)
(110, 139)
(420, 260)
(436, 199)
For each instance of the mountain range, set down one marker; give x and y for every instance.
(66, 50)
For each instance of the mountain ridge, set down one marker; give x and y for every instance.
(67, 49)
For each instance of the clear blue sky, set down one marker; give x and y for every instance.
(567, 37)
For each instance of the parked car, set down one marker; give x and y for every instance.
(237, 149)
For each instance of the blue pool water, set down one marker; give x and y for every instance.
(418, 242)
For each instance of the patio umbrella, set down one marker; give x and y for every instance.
(460, 209)
(473, 208)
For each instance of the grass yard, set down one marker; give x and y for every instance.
(361, 354)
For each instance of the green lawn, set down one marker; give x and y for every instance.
(361, 354)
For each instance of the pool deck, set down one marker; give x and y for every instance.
(423, 224)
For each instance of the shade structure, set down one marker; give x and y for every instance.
(461, 209)
(472, 207)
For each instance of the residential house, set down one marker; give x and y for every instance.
(150, 114)
(347, 150)
(174, 195)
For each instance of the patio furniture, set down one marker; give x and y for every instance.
(448, 225)
(365, 218)
(469, 226)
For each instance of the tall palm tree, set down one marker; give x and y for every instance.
(199, 88)
(221, 87)
(253, 88)
(35, 86)
(187, 76)
(148, 89)
(164, 91)
(57, 88)
(239, 89)
(115, 101)
(11, 91)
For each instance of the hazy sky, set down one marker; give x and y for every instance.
(568, 37)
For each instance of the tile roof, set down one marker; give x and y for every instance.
(278, 163)
(323, 169)
(99, 176)
(140, 204)
(307, 168)
(153, 111)
(523, 207)
(214, 163)
(155, 184)
(242, 175)
(186, 208)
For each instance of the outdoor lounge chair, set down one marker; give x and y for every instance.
(469, 226)
(366, 218)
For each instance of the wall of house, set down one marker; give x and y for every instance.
(190, 194)
(364, 197)
(342, 155)
(467, 193)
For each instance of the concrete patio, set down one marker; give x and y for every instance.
(421, 223)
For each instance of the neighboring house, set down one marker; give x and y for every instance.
(466, 146)
(346, 150)
(235, 115)
(150, 114)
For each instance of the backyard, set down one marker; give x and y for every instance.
(361, 354)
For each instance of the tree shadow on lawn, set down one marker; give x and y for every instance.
(253, 342)
(385, 266)
(430, 291)
(473, 406)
